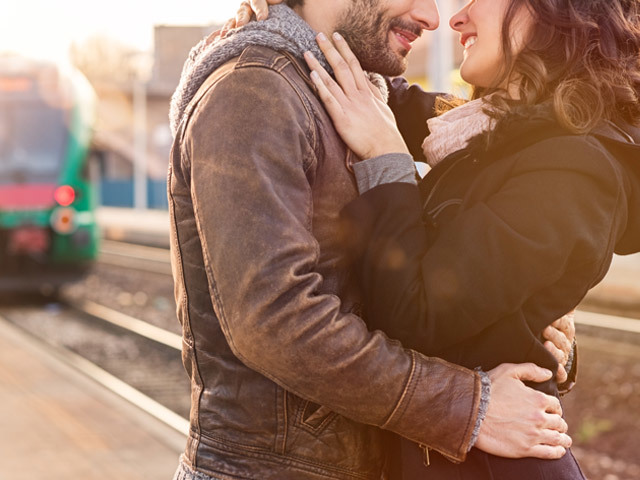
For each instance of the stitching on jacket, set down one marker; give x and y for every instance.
(331, 415)
(405, 392)
(321, 468)
(185, 306)
(310, 130)
(471, 422)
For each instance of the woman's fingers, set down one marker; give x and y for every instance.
(341, 68)
(343, 48)
(329, 91)
(260, 8)
(326, 80)
(376, 91)
(243, 15)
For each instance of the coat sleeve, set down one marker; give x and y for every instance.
(250, 187)
(412, 107)
(554, 220)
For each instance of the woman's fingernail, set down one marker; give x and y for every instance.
(337, 36)
(314, 75)
(309, 55)
(322, 37)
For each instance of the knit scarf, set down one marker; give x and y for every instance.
(452, 131)
(284, 30)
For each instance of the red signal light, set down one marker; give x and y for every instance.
(65, 195)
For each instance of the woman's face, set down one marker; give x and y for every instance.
(480, 26)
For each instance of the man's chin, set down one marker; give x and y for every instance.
(389, 69)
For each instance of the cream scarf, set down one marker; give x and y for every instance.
(452, 131)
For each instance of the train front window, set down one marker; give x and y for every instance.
(33, 141)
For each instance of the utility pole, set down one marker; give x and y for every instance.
(140, 143)
(441, 53)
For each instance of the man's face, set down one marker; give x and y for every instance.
(380, 32)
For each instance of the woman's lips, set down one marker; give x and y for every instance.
(468, 40)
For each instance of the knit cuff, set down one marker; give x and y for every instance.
(484, 405)
(571, 357)
(389, 168)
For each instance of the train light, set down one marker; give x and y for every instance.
(65, 195)
(63, 220)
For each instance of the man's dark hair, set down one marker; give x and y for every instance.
(294, 3)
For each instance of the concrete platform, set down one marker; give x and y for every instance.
(56, 423)
(146, 227)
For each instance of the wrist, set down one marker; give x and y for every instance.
(381, 150)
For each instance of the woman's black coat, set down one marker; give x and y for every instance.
(496, 244)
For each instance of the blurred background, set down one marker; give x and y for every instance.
(91, 382)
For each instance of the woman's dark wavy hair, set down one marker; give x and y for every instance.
(294, 3)
(582, 56)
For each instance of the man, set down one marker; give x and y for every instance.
(287, 382)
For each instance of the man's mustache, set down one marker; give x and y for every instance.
(412, 27)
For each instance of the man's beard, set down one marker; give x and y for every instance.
(366, 28)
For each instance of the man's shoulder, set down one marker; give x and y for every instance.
(261, 56)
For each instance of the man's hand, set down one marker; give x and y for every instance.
(522, 422)
(246, 9)
(559, 338)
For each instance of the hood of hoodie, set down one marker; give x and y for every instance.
(284, 30)
(623, 142)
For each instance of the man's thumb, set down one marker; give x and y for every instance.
(530, 372)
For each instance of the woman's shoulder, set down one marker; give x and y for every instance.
(600, 152)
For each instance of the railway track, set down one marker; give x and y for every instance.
(135, 257)
(141, 363)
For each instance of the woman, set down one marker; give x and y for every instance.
(534, 185)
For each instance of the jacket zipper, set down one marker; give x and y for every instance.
(426, 461)
(434, 212)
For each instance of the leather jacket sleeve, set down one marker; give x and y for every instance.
(250, 160)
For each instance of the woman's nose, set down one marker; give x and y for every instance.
(460, 19)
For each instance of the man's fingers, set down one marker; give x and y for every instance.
(561, 375)
(558, 338)
(530, 372)
(547, 452)
(555, 422)
(566, 324)
(560, 355)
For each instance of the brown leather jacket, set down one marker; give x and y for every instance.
(287, 382)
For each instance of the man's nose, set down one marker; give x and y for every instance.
(426, 13)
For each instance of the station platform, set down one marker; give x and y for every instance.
(57, 424)
(145, 227)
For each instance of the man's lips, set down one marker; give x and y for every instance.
(405, 37)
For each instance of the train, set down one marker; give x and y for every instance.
(48, 230)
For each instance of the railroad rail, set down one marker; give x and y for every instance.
(136, 257)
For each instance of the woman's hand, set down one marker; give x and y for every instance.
(246, 9)
(361, 116)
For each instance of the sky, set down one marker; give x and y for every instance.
(46, 28)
